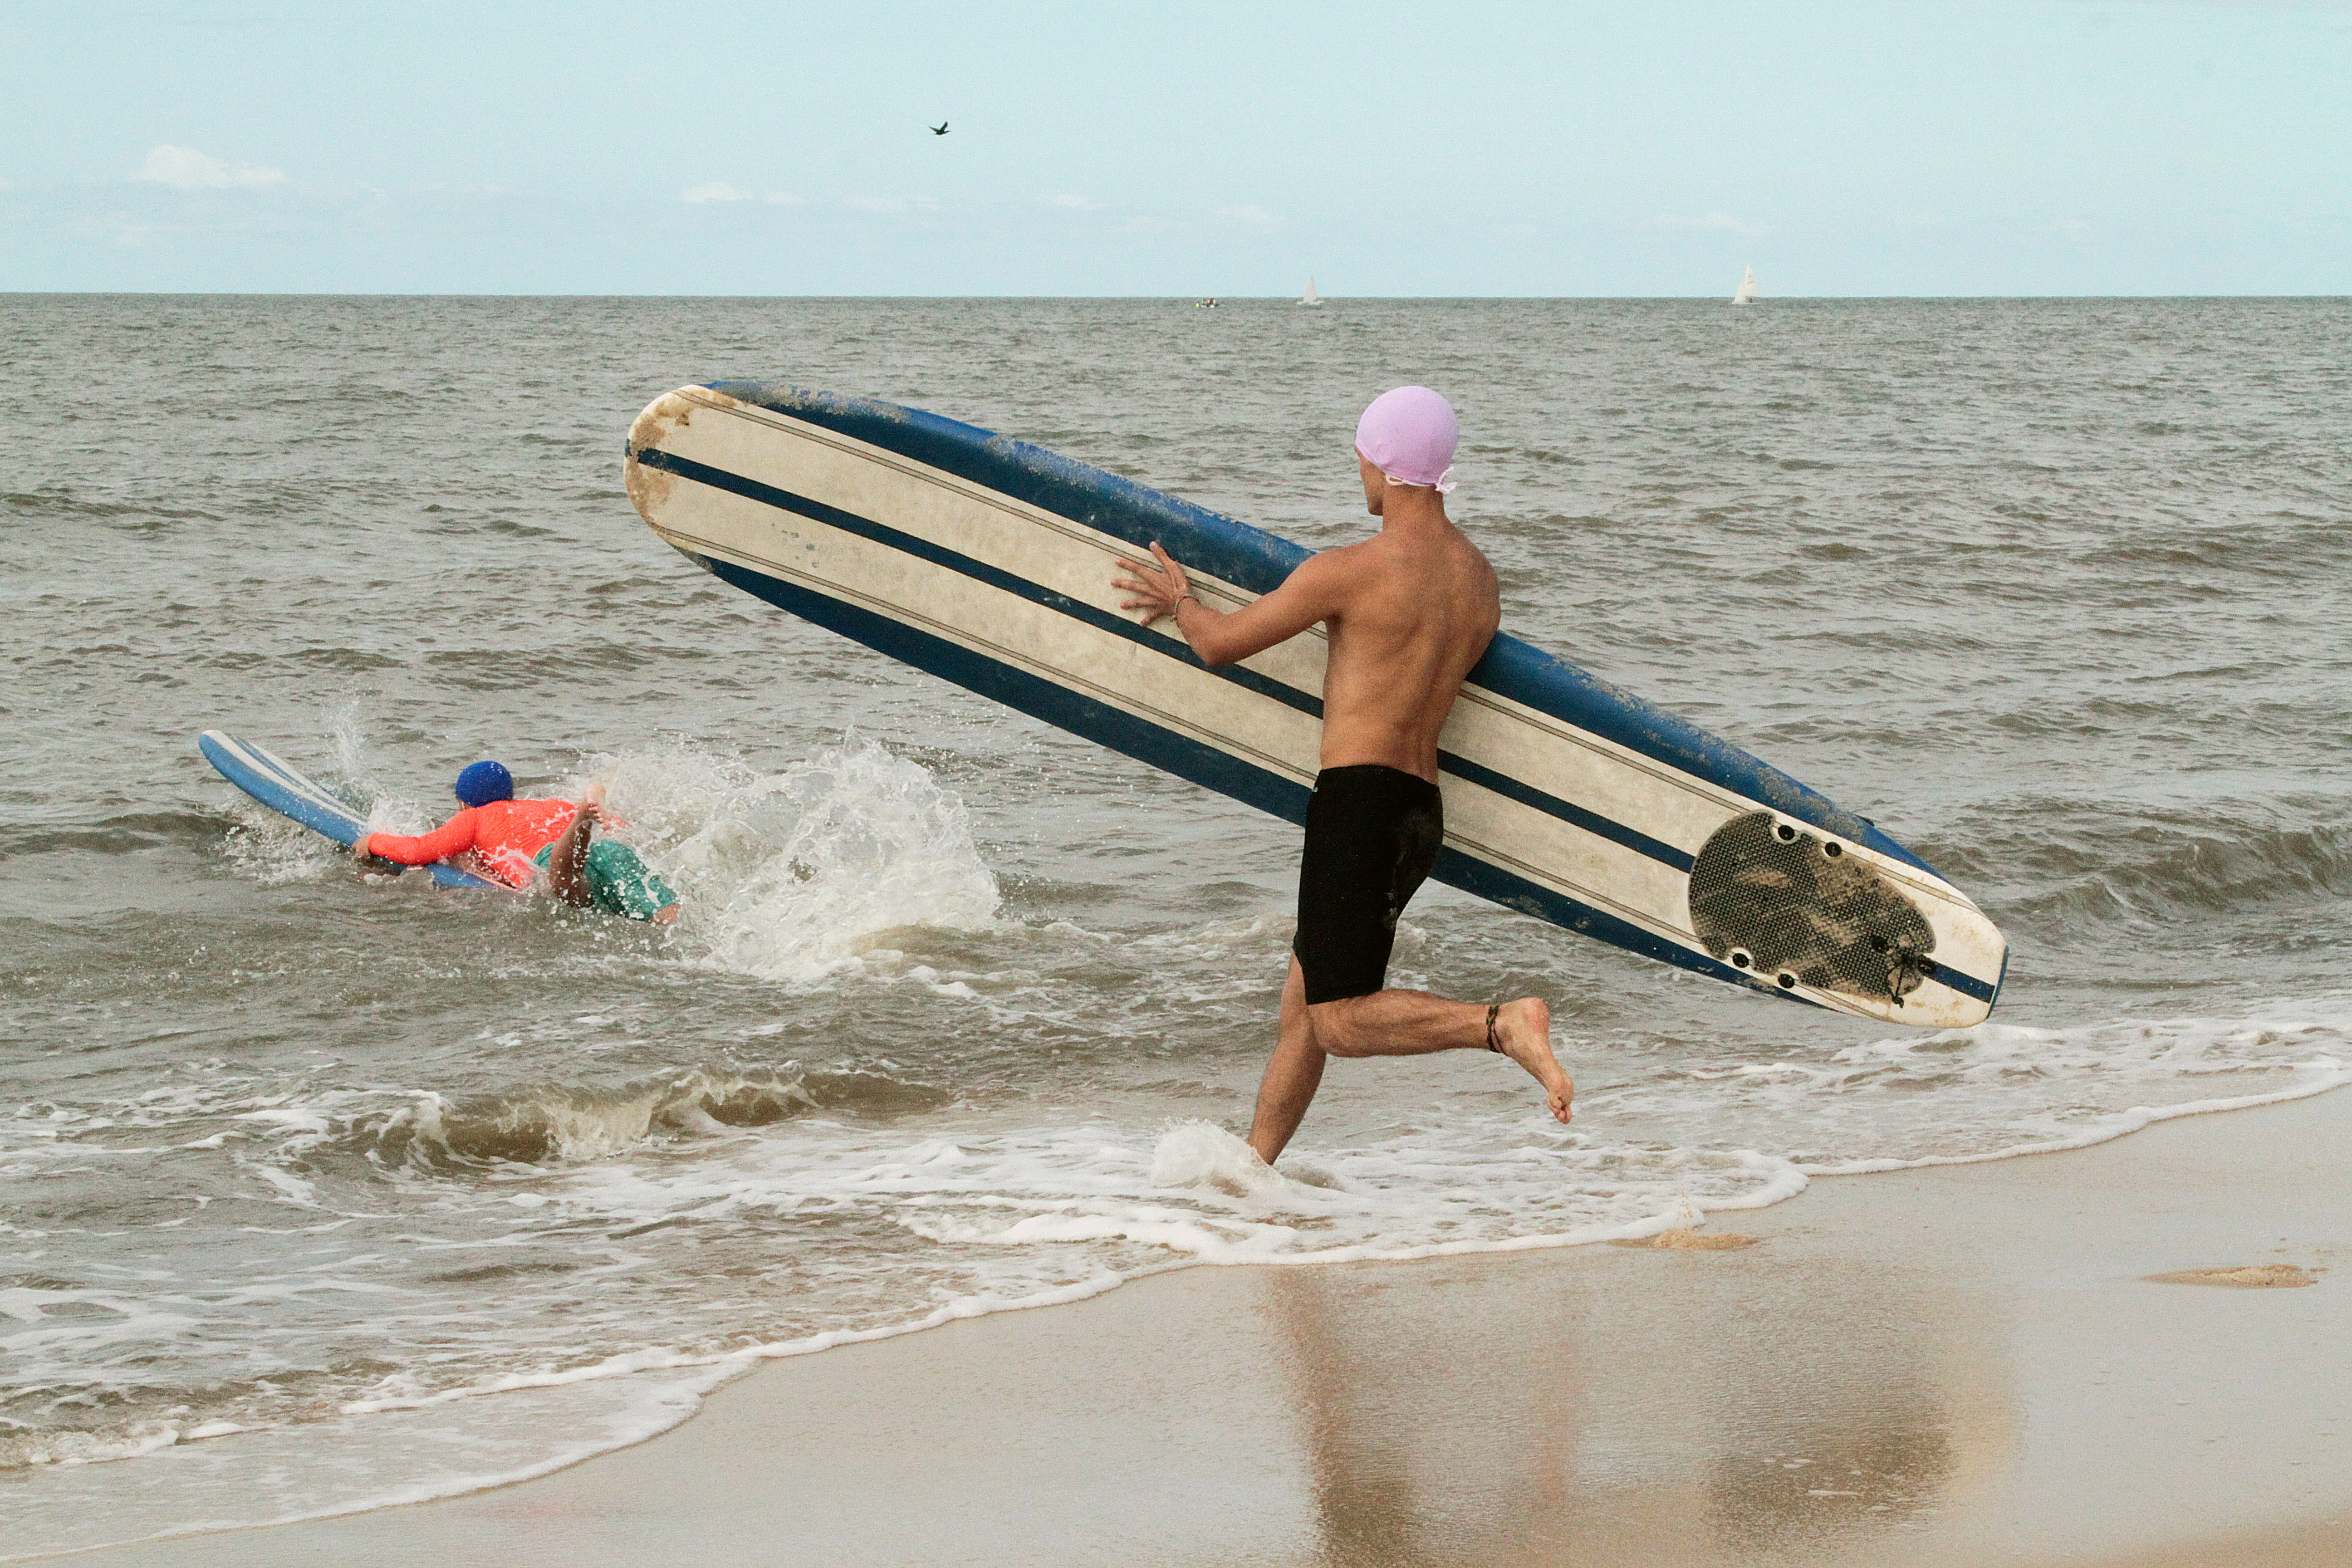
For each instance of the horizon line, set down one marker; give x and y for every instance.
(1267, 299)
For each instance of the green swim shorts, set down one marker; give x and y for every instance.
(618, 882)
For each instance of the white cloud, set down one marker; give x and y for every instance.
(1076, 204)
(894, 205)
(1721, 222)
(2076, 229)
(185, 169)
(780, 199)
(1250, 216)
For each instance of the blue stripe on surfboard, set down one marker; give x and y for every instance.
(1118, 625)
(1592, 822)
(1258, 561)
(320, 801)
(1190, 759)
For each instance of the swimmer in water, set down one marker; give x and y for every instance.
(1409, 611)
(517, 841)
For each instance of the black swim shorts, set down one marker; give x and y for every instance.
(1373, 837)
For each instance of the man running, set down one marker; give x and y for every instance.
(1408, 611)
(515, 840)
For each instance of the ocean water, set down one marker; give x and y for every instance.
(319, 1191)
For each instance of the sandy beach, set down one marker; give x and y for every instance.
(1955, 1365)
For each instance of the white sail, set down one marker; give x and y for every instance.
(1310, 297)
(1747, 287)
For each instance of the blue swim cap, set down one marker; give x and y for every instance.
(484, 782)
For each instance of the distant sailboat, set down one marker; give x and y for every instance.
(1747, 295)
(1310, 297)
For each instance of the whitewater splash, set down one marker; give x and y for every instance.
(785, 875)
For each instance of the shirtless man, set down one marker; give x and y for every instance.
(1409, 611)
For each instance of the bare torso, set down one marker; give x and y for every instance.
(1407, 613)
(1418, 607)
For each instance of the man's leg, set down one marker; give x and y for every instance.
(621, 883)
(1291, 1075)
(1373, 833)
(1412, 1023)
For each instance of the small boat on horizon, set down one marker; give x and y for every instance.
(1747, 292)
(1310, 297)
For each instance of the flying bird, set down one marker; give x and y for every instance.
(940, 129)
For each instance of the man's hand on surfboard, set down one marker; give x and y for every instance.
(1159, 589)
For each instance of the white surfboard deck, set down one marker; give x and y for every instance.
(989, 561)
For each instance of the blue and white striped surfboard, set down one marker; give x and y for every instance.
(289, 792)
(989, 561)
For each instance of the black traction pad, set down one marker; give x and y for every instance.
(1792, 907)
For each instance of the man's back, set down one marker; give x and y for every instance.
(1407, 613)
(1417, 606)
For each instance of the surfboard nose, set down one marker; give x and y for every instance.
(650, 486)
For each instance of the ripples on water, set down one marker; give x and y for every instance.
(302, 1161)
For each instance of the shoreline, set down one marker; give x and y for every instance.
(1937, 1365)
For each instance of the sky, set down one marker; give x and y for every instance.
(1446, 148)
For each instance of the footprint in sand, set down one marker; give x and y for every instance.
(2253, 1277)
(1688, 1241)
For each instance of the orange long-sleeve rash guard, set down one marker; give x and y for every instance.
(506, 833)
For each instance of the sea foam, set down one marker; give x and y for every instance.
(783, 875)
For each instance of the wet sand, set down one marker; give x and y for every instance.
(1963, 1365)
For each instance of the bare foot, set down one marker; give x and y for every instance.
(1523, 1028)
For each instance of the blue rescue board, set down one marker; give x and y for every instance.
(988, 561)
(288, 791)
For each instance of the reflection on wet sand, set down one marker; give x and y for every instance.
(1393, 1480)
(1693, 1408)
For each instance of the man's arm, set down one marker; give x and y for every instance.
(453, 838)
(1309, 595)
(567, 861)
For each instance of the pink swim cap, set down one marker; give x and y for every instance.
(1410, 435)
